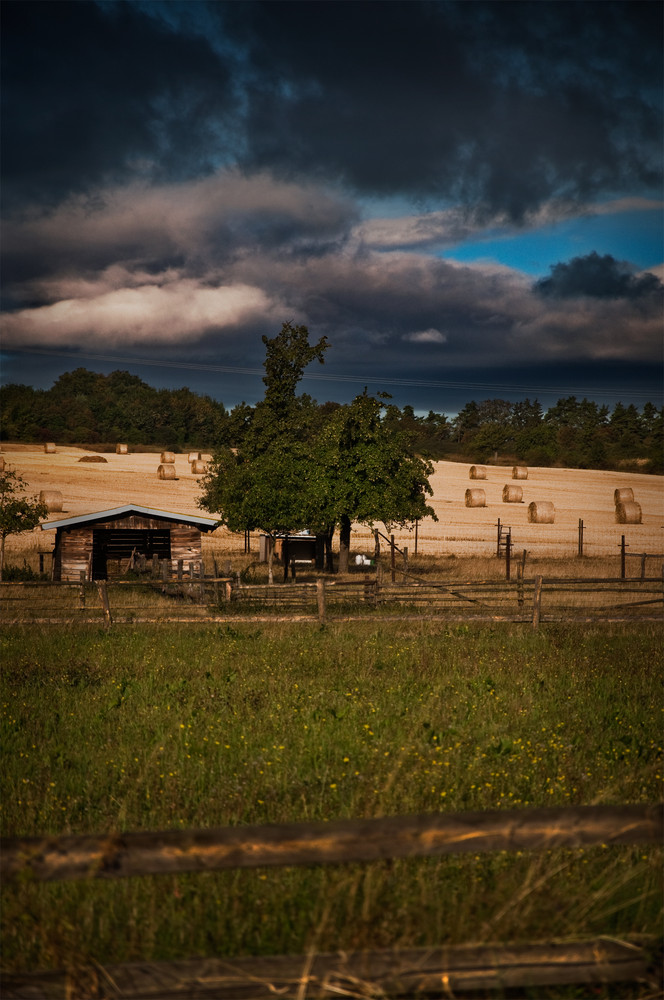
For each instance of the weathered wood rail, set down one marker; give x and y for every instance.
(176, 851)
(423, 972)
(441, 971)
(533, 600)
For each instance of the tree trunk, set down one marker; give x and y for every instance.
(270, 557)
(2, 554)
(344, 543)
(329, 559)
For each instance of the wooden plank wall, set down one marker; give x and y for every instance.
(73, 550)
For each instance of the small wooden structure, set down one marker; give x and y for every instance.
(88, 543)
(301, 548)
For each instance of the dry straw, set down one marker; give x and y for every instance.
(512, 494)
(541, 513)
(519, 472)
(477, 472)
(167, 457)
(194, 456)
(52, 499)
(198, 467)
(121, 449)
(623, 495)
(628, 512)
(166, 471)
(49, 448)
(475, 498)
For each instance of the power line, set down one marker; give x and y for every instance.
(351, 379)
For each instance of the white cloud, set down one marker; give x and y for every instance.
(179, 311)
(430, 336)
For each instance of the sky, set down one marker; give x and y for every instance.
(464, 198)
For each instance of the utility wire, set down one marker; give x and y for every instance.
(646, 394)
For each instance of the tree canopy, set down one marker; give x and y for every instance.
(299, 466)
(18, 512)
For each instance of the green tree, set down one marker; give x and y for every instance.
(265, 483)
(368, 471)
(18, 512)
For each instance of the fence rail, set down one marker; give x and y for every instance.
(535, 599)
(442, 971)
(176, 851)
(423, 972)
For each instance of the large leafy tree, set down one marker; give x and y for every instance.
(265, 484)
(18, 512)
(368, 471)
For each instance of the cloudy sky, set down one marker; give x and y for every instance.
(465, 198)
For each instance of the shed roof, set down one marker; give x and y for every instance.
(204, 523)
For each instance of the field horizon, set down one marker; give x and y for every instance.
(460, 531)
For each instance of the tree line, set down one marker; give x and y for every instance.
(84, 407)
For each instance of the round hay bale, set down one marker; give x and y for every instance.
(475, 498)
(519, 472)
(166, 471)
(198, 467)
(193, 456)
(477, 472)
(628, 512)
(167, 457)
(52, 499)
(92, 458)
(541, 513)
(512, 494)
(49, 448)
(623, 495)
(121, 449)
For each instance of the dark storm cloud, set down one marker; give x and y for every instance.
(113, 278)
(601, 277)
(90, 93)
(500, 105)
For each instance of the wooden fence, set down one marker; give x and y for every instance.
(442, 971)
(529, 600)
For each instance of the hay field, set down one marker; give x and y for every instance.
(460, 530)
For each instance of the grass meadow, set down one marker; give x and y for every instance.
(192, 726)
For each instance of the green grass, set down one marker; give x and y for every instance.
(161, 727)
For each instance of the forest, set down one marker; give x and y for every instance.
(87, 408)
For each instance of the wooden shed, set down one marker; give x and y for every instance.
(94, 542)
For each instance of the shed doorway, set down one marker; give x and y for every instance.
(113, 546)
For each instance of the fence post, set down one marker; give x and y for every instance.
(508, 554)
(201, 574)
(537, 602)
(103, 597)
(622, 557)
(81, 593)
(320, 598)
(644, 556)
(392, 562)
(180, 565)
(405, 563)
(580, 538)
(155, 566)
(417, 522)
(519, 583)
(165, 571)
(498, 540)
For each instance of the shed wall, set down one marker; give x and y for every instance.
(74, 546)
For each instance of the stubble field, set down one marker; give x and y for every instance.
(460, 531)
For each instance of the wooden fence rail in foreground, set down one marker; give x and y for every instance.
(174, 851)
(443, 971)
